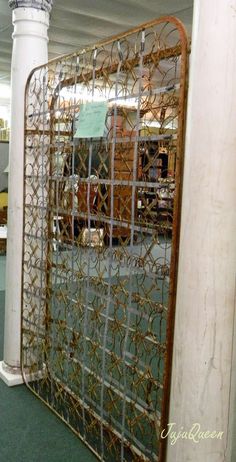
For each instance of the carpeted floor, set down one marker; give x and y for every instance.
(30, 432)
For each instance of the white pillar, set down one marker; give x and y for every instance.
(203, 378)
(30, 49)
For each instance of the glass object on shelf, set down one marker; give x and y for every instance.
(4, 130)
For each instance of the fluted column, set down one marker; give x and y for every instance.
(30, 49)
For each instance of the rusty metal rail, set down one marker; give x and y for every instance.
(104, 131)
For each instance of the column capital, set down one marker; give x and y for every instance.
(44, 5)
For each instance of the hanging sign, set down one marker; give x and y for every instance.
(92, 118)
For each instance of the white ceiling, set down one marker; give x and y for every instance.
(77, 23)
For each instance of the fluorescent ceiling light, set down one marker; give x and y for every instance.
(5, 91)
(151, 123)
(173, 124)
(85, 95)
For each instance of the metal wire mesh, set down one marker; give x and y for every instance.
(101, 223)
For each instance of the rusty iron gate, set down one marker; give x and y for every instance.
(104, 132)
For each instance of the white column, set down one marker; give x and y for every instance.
(203, 378)
(30, 49)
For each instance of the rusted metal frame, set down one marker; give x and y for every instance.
(140, 63)
(41, 297)
(85, 321)
(158, 91)
(126, 139)
(109, 429)
(185, 50)
(158, 55)
(112, 39)
(111, 227)
(23, 246)
(105, 219)
(49, 224)
(116, 387)
(49, 283)
(172, 292)
(41, 303)
(147, 184)
(46, 132)
(149, 339)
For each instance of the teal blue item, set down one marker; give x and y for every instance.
(92, 118)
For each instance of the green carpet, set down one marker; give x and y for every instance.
(2, 271)
(30, 432)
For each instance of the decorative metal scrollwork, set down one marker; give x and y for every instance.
(101, 227)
